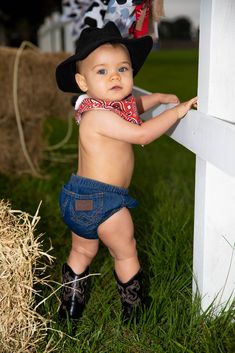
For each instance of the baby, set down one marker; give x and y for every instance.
(95, 202)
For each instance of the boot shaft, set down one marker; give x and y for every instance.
(131, 294)
(73, 285)
(73, 292)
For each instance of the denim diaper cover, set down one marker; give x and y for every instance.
(86, 203)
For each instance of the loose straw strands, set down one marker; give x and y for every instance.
(22, 269)
(22, 328)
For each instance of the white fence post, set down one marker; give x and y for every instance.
(55, 35)
(69, 44)
(214, 229)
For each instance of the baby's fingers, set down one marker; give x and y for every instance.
(193, 102)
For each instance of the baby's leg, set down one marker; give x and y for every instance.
(117, 233)
(82, 253)
(74, 277)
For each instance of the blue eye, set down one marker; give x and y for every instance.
(102, 72)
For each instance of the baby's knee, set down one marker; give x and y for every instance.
(124, 251)
(130, 246)
(87, 252)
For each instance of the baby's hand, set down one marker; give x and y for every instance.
(169, 98)
(183, 108)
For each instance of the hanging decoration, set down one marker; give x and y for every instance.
(134, 18)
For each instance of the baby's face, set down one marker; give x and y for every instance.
(106, 73)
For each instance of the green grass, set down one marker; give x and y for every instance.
(164, 184)
(170, 71)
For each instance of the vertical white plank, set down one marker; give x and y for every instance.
(44, 38)
(56, 33)
(214, 228)
(222, 79)
(199, 228)
(69, 44)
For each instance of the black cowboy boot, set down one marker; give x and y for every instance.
(131, 294)
(72, 293)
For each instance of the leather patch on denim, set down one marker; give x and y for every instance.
(84, 205)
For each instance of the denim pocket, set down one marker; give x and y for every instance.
(80, 210)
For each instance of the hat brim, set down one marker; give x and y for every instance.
(138, 48)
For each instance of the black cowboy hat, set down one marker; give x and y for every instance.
(92, 38)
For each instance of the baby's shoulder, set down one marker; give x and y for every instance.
(96, 117)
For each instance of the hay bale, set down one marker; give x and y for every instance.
(22, 328)
(38, 98)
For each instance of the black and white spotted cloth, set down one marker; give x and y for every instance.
(86, 13)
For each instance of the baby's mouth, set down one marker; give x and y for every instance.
(116, 88)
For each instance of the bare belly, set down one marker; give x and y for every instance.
(110, 165)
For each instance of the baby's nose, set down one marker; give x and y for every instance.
(115, 76)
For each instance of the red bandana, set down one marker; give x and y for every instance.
(126, 108)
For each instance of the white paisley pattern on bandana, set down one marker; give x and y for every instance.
(126, 108)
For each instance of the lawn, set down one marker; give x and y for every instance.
(164, 184)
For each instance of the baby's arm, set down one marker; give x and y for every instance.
(148, 101)
(160, 124)
(109, 124)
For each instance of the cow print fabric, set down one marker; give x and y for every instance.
(86, 13)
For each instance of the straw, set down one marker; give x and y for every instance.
(22, 267)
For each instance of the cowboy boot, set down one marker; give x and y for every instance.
(72, 293)
(131, 294)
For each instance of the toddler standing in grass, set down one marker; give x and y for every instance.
(95, 202)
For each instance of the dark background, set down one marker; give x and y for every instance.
(20, 20)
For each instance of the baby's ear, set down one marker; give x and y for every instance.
(81, 82)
